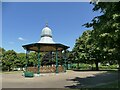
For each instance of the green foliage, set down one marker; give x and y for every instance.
(86, 49)
(81, 47)
(106, 33)
(32, 59)
(21, 60)
(13, 61)
(8, 60)
(82, 66)
(2, 50)
(109, 67)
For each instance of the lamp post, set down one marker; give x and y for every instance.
(38, 59)
(64, 60)
(56, 60)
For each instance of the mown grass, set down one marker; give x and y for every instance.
(114, 84)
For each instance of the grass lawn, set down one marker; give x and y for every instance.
(11, 72)
(115, 84)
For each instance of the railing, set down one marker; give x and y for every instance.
(46, 69)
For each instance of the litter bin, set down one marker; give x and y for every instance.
(69, 66)
(28, 74)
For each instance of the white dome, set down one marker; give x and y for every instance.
(46, 32)
(46, 40)
(46, 35)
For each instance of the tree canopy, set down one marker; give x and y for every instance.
(107, 28)
(102, 43)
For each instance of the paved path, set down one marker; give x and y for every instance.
(70, 79)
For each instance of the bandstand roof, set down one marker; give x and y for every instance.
(46, 42)
(45, 47)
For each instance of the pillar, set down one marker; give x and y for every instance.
(56, 60)
(61, 56)
(38, 60)
(64, 60)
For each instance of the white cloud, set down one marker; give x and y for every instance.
(21, 39)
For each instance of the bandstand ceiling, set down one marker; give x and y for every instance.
(45, 47)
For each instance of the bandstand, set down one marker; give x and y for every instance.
(46, 44)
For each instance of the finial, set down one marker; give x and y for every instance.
(46, 24)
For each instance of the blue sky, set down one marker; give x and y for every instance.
(22, 22)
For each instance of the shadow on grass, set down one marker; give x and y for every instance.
(96, 70)
(95, 80)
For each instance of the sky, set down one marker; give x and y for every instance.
(22, 22)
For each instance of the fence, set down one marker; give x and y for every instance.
(46, 69)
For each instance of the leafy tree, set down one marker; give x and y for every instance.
(87, 50)
(81, 48)
(2, 50)
(21, 60)
(33, 60)
(8, 60)
(107, 28)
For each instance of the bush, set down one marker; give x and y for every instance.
(109, 67)
(73, 66)
(82, 66)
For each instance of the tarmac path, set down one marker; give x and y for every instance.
(70, 79)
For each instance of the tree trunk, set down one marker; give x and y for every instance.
(8, 68)
(96, 63)
(67, 65)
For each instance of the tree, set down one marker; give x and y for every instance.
(81, 48)
(107, 27)
(21, 60)
(87, 50)
(8, 60)
(2, 51)
(33, 60)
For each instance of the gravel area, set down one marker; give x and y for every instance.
(70, 79)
